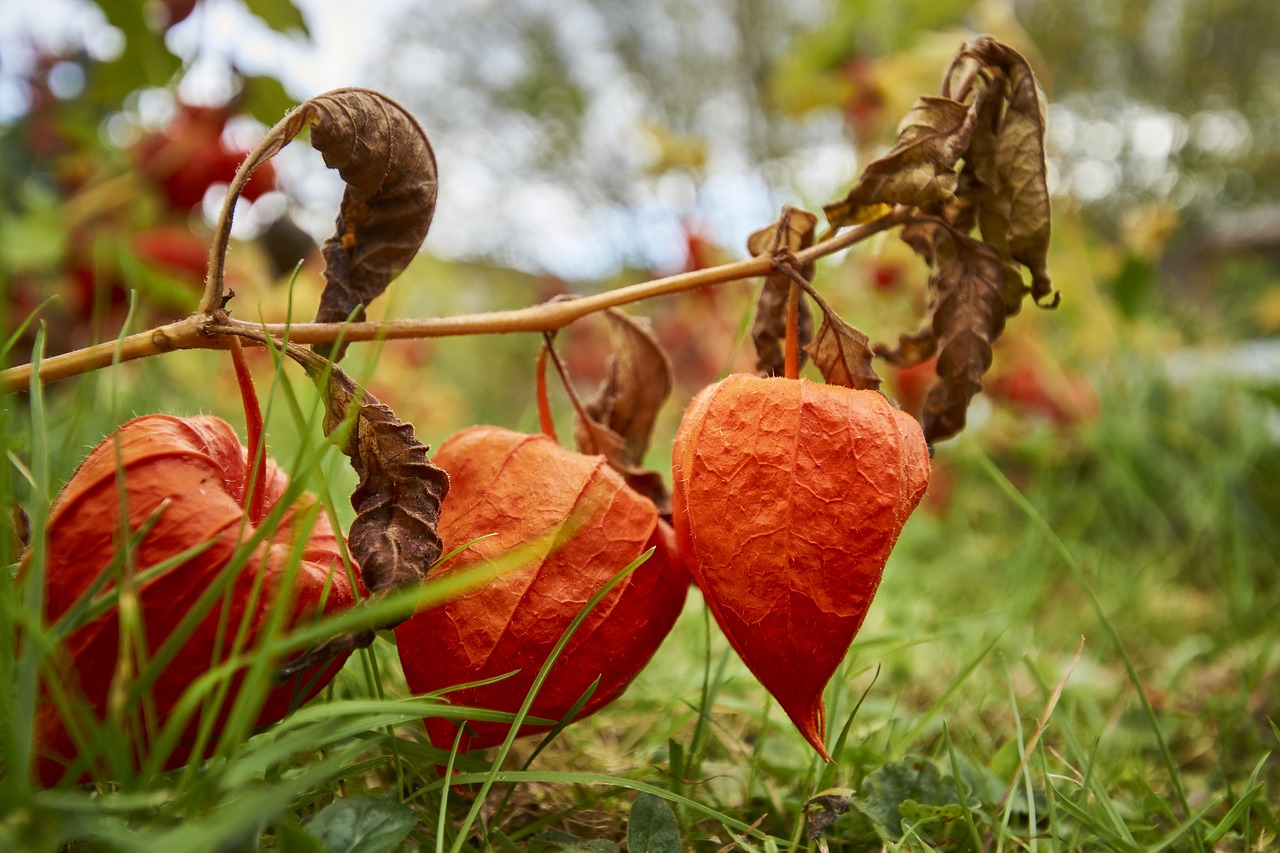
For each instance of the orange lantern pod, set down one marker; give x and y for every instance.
(187, 478)
(569, 524)
(788, 497)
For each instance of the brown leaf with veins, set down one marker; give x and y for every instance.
(973, 158)
(397, 501)
(967, 314)
(1007, 159)
(920, 170)
(624, 407)
(384, 157)
(792, 232)
(843, 354)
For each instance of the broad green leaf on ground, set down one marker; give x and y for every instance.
(920, 170)
(792, 232)
(362, 825)
(652, 827)
(914, 782)
(557, 841)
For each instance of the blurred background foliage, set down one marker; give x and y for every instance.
(588, 143)
(584, 144)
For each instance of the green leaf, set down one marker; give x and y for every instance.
(362, 825)
(918, 813)
(265, 98)
(291, 838)
(652, 826)
(914, 782)
(281, 15)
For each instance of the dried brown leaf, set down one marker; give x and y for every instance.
(397, 501)
(1008, 163)
(384, 157)
(968, 313)
(624, 407)
(843, 354)
(791, 233)
(911, 349)
(394, 536)
(921, 168)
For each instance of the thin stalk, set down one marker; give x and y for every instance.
(791, 355)
(207, 331)
(545, 421)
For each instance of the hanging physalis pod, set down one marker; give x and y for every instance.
(788, 497)
(184, 483)
(562, 524)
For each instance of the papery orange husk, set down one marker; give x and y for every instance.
(568, 523)
(195, 472)
(788, 497)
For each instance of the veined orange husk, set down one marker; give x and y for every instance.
(191, 474)
(788, 497)
(567, 523)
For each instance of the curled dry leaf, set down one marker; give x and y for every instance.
(1007, 158)
(394, 536)
(822, 810)
(972, 158)
(842, 353)
(620, 415)
(384, 157)
(967, 314)
(920, 169)
(397, 501)
(791, 233)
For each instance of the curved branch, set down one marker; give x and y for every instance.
(203, 329)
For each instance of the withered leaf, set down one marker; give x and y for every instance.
(843, 354)
(920, 170)
(822, 810)
(394, 536)
(968, 313)
(397, 501)
(622, 411)
(911, 349)
(792, 232)
(1008, 161)
(384, 157)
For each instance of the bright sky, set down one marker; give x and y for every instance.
(341, 35)
(553, 231)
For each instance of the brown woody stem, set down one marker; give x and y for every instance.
(207, 330)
